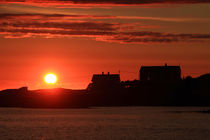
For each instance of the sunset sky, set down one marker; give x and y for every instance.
(78, 38)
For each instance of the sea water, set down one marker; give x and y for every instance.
(105, 123)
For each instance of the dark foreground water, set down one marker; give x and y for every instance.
(111, 123)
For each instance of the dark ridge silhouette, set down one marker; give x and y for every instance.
(158, 86)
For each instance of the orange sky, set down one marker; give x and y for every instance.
(76, 41)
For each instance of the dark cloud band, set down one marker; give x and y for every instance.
(115, 2)
(113, 35)
(52, 26)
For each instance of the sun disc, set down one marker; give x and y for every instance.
(50, 78)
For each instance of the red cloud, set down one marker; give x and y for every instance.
(48, 26)
(104, 2)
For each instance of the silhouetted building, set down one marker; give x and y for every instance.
(160, 73)
(23, 89)
(105, 81)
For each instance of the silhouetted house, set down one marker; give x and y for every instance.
(23, 89)
(160, 73)
(105, 81)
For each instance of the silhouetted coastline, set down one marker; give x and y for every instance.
(157, 86)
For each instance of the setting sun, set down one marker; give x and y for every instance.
(50, 78)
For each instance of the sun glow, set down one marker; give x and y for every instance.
(50, 78)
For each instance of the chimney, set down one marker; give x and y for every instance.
(108, 73)
(166, 65)
(102, 73)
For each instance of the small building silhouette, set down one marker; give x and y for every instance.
(105, 81)
(23, 89)
(106, 78)
(160, 73)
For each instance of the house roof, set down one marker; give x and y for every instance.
(106, 77)
(177, 68)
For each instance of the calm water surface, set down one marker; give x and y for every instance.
(111, 123)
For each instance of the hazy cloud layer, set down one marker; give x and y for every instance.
(115, 2)
(70, 17)
(51, 16)
(56, 26)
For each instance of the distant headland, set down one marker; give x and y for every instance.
(157, 86)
